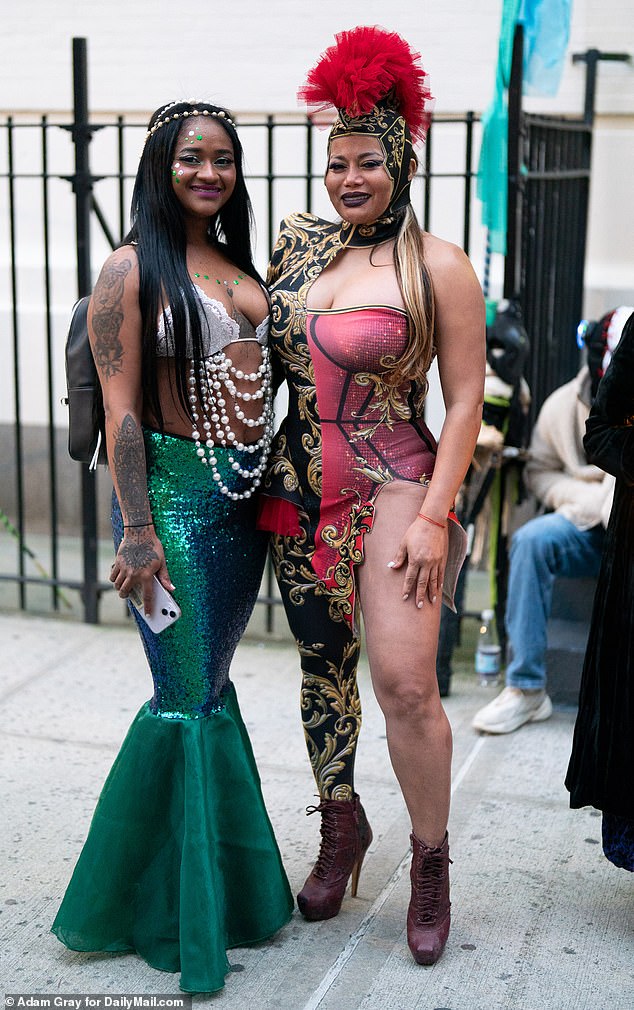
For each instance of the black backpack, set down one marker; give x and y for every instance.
(86, 419)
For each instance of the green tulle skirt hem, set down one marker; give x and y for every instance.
(181, 863)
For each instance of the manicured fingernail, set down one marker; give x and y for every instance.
(420, 605)
(433, 600)
(406, 596)
(172, 586)
(391, 564)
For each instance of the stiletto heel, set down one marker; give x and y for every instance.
(354, 877)
(345, 839)
(365, 837)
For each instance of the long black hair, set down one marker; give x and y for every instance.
(158, 232)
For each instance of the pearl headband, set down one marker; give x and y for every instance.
(184, 115)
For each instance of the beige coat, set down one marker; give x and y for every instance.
(557, 471)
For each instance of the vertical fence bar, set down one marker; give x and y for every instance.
(512, 262)
(270, 164)
(19, 455)
(546, 380)
(468, 175)
(427, 188)
(52, 453)
(270, 589)
(82, 182)
(584, 158)
(121, 163)
(569, 224)
(82, 186)
(531, 253)
(309, 166)
(269, 179)
(592, 57)
(574, 206)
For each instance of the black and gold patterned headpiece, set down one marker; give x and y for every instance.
(377, 84)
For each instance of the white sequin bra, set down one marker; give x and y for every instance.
(218, 328)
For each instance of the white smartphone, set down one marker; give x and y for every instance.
(165, 609)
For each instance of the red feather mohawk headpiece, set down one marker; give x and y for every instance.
(364, 67)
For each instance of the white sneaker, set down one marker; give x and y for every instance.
(511, 709)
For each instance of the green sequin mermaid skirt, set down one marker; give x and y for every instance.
(181, 862)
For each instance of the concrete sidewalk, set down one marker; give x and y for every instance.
(541, 919)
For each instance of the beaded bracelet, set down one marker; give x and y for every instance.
(442, 526)
(136, 526)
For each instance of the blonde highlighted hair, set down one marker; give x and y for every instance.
(418, 295)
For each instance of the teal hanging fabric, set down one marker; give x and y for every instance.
(546, 32)
(493, 153)
(546, 29)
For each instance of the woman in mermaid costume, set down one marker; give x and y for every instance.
(358, 495)
(181, 863)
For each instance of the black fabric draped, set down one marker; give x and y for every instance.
(602, 760)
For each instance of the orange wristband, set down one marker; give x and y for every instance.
(442, 526)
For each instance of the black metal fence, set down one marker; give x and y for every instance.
(549, 174)
(286, 159)
(549, 166)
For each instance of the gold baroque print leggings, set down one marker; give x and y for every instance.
(329, 653)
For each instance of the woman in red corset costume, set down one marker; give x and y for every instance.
(358, 494)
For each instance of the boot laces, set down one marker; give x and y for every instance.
(430, 874)
(329, 838)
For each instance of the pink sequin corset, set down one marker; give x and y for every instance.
(370, 434)
(348, 432)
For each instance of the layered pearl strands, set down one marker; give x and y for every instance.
(217, 374)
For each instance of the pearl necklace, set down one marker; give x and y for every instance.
(216, 372)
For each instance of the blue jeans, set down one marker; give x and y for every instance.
(541, 550)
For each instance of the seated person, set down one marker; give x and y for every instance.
(567, 541)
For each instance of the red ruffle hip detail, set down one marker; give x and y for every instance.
(277, 515)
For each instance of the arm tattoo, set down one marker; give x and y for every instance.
(107, 318)
(129, 468)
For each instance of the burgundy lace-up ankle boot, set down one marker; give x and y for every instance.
(429, 916)
(345, 837)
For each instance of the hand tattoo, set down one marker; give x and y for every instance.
(137, 555)
(107, 318)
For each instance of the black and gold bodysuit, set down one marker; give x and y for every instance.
(348, 433)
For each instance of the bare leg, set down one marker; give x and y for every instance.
(402, 643)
